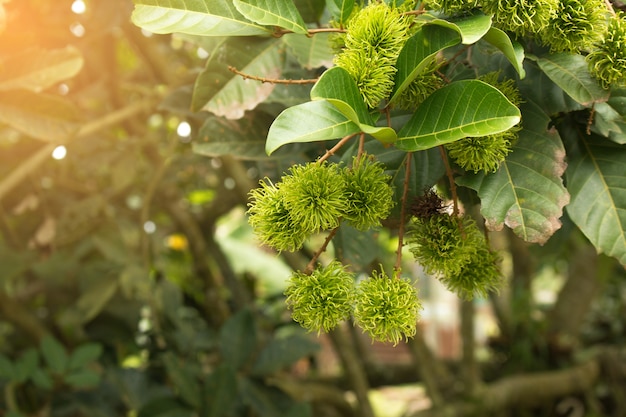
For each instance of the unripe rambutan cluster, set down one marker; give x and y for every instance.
(608, 61)
(315, 197)
(452, 248)
(387, 309)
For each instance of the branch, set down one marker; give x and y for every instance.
(335, 148)
(311, 265)
(270, 80)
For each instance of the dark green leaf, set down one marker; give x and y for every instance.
(570, 72)
(279, 13)
(355, 247)
(96, 296)
(84, 355)
(220, 392)
(36, 69)
(512, 50)
(311, 10)
(222, 92)
(340, 10)
(418, 52)
(595, 179)
(55, 354)
(527, 192)
(281, 352)
(195, 17)
(166, 407)
(7, 369)
(308, 122)
(468, 108)
(265, 400)
(26, 365)
(238, 339)
(42, 116)
(42, 379)
(82, 378)
(183, 377)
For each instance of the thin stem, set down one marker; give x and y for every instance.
(361, 150)
(311, 265)
(405, 193)
(335, 148)
(270, 80)
(609, 6)
(446, 163)
(310, 32)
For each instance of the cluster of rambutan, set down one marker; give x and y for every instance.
(386, 308)
(452, 248)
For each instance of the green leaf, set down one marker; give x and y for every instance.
(418, 52)
(183, 377)
(595, 179)
(243, 138)
(55, 354)
(96, 296)
(512, 50)
(222, 92)
(42, 116)
(281, 352)
(84, 355)
(308, 122)
(195, 17)
(467, 108)
(7, 369)
(42, 379)
(471, 27)
(267, 401)
(238, 339)
(220, 392)
(355, 247)
(527, 192)
(311, 10)
(36, 69)
(339, 88)
(570, 72)
(82, 378)
(311, 51)
(340, 10)
(26, 365)
(272, 13)
(166, 407)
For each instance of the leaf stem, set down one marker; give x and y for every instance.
(403, 202)
(335, 148)
(311, 265)
(270, 80)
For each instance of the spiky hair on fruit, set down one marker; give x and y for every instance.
(314, 194)
(452, 7)
(271, 220)
(479, 277)
(322, 299)
(374, 38)
(387, 309)
(576, 26)
(369, 196)
(521, 17)
(607, 62)
(424, 84)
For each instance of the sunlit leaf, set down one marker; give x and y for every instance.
(418, 53)
(311, 51)
(42, 116)
(467, 108)
(272, 13)
(195, 17)
(224, 93)
(512, 50)
(570, 72)
(339, 88)
(36, 69)
(471, 27)
(596, 181)
(527, 192)
(308, 122)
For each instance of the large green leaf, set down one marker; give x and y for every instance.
(471, 27)
(308, 122)
(338, 87)
(340, 10)
(311, 51)
(223, 93)
(597, 182)
(238, 339)
(467, 108)
(195, 17)
(42, 116)
(570, 72)
(418, 53)
(36, 69)
(281, 352)
(272, 13)
(527, 192)
(220, 392)
(512, 50)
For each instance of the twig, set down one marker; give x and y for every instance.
(310, 32)
(270, 80)
(335, 148)
(311, 265)
(405, 192)
(446, 163)
(361, 150)
(609, 6)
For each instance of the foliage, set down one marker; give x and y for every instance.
(324, 127)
